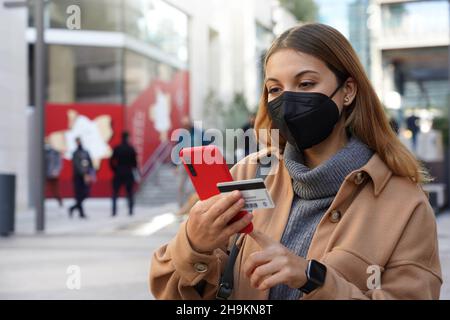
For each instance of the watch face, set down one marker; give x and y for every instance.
(317, 272)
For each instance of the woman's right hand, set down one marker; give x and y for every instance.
(207, 225)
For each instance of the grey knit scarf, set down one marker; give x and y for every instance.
(314, 191)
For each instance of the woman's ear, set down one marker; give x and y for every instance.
(350, 90)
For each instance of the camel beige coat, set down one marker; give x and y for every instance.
(377, 221)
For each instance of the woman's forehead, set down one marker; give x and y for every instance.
(288, 62)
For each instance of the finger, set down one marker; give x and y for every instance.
(263, 240)
(273, 280)
(202, 206)
(208, 203)
(229, 214)
(222, 203)
(237, 226)
(255, 260)
(264, 271)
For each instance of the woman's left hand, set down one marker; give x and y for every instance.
(274, 264)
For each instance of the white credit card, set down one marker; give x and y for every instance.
(253, 191)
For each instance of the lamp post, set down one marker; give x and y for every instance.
(39, 94)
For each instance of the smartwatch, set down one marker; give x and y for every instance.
(315, 274)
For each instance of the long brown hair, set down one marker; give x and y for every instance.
(365, 117)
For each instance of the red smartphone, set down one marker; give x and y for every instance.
(206, 168)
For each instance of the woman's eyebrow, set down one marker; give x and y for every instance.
(296, 76)
(303, 72)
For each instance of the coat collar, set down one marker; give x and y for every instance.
(378, 171)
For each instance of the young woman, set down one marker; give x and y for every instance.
(351, 220)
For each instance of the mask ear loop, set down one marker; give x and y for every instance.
(334, 93)
(337, 89)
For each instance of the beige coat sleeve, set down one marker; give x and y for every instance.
(413, 272)
(173, 274)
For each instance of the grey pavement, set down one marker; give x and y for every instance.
(99, 217)
(113, 254)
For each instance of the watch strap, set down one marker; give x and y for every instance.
(313, 281)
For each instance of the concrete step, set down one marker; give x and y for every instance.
(160, 188)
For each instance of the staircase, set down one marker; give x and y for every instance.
(160, 187)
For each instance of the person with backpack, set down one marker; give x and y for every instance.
(83, 177)
(54, 164)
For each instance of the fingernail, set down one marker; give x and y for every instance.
(236, 193)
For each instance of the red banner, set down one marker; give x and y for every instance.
(153, 116)
(98, 125)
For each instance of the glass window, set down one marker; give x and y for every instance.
(358, 31)
(154, 22)
(135, 13)
(84, 74)
(141, 72)
(160, 24)
(426, 94)
(349, 17)
(421, 74)
(110, 12)
(416, 21)
(91, 10)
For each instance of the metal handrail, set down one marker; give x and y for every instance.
(154, 162)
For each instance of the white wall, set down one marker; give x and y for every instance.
(13, 99)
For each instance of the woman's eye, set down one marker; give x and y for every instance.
(306, 84)
(274, 90)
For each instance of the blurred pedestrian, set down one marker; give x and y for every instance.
(53, 162)
(413, 126)
(123, 163)
(394, 125)
(83, 177)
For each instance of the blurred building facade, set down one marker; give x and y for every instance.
(142, 65)
(355, 19)
(359, 35)
(404, 48)
(411, 45)
(403, 45)
(412, 41)
(131, 64)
